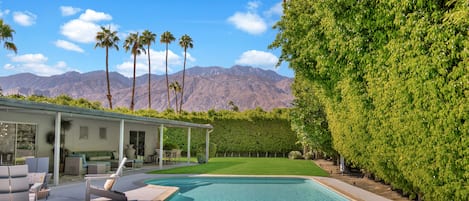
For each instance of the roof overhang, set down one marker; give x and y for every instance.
(8, 104)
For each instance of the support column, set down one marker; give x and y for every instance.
(121, 140)
(161, 146)
(207, 145)
(58, 119)
(188, 145)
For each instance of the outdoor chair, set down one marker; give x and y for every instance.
(14, 185)
(38, 172)
(106, 191)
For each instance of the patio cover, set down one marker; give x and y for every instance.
(22, 106)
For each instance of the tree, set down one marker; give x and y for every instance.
(107, 39)
(233, 107)
(6, 34)
(134, 43)
(308, 118)
(167, 38)
(185, 42)
(392, 77)
(148, 39)
(176, 87)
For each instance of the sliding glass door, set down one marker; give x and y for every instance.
(17, 141)
(137, 138)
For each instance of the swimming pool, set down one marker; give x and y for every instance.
(247, 189)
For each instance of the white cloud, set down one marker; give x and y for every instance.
(158, 63)
(248, 22)
(253, 5)
(80, 31)
(84, 29)
(4, 12)
(29, 58)
(35, 63)
(24, 18)
(68, 46)
(257, 58)
(277, 9)
(68, 10)
(93, 16)
(189, 57)
(8, 67)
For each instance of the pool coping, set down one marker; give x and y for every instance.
(335, 185)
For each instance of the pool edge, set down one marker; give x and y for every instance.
(314, 178)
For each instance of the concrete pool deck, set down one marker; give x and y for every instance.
(76, 191)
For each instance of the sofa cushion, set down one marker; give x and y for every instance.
(100, 158)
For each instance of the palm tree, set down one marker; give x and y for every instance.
(107, 39)
(148, 39)
(6, 34)
(185, 42)
(176, 87)
(134, 43)
(167, 38)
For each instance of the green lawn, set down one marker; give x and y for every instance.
(250, 166)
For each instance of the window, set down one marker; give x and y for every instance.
(83, 132)
(102, 133)
(17, 140)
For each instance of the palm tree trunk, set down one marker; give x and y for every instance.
(183, 79)
(149, 79)
(167, 79)
(109, 96)
(133, 85)
(176, 95)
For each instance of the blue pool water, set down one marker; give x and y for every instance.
(247, 189)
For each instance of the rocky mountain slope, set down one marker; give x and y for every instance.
(206, 88)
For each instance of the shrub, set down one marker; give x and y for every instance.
(295, 155)
(308, 156)
(212, 149)
(201, 158)
(170, 146)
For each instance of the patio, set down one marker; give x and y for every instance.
(73, 187)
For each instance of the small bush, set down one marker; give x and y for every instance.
(201, 159)
(170, 146)
(308, 156)
(295, 155)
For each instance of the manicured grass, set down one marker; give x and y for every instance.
(250, 166)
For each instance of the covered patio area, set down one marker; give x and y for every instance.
(25, 126)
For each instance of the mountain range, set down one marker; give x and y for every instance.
(205, 88)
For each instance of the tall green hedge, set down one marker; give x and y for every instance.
(393, 77)
(248, 133)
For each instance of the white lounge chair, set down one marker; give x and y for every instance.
(14, 185)
(106, 191)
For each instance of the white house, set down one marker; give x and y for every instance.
(25, 127)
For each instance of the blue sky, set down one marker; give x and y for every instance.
(57, 36)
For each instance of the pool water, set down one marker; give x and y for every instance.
(247, 189)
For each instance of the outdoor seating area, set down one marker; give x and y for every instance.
(169, 156)
(106, 190)
(16, 184)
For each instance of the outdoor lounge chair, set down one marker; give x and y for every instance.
(106, 191)
(14, 185)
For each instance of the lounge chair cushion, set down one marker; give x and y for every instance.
(19, 171)
(36, 177)
(109, 183)
(4, 172)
